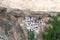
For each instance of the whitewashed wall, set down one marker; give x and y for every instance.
(35, 5)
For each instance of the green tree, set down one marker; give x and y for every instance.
(53, 31)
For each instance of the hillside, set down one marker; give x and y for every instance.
(12, 25)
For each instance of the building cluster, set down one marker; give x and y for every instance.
(34, 24)
(31, 23)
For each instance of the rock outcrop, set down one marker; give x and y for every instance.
(9, 26)
(10, 19)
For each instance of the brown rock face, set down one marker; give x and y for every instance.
(9, 27)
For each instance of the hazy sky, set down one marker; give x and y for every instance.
(35, 5)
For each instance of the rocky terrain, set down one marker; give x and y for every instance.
(11, 25)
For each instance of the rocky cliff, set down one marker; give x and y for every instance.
(9, 26)
(10, 19)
